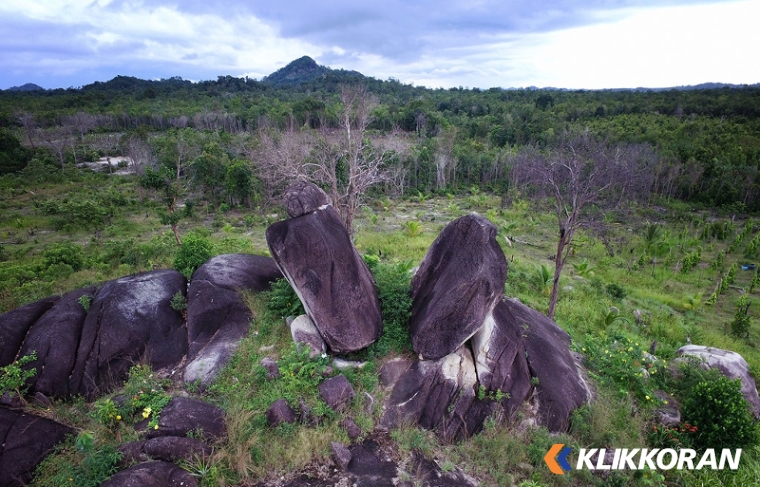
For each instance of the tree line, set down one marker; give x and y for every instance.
(706, 142)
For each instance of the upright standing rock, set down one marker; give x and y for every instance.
(316, 255)
(457, 285)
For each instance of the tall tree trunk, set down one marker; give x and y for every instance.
(559, 263)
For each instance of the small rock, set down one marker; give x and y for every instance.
(336, 392)
(304, 332)
(273, 371)
(352, 429)
(667, 414)
(280, 412)
(341, 364)
(340, 454)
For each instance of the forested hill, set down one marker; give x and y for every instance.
(707, 140)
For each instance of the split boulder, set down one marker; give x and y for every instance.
(560, 388)
(130, 320)
(459, 282)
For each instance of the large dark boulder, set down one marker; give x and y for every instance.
(15, 324)
(183, 415)
(217, 316)
(25, 440)
(316, 255)
(457, 285)
(152, 474)
(55, 338)
(560, 388)
(130, 320)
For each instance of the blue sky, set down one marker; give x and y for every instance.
(442, 43)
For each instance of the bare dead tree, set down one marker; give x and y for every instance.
(82, 122)
(445, 162)
(365, 161)
(29, 123)
(579, 172)
(58, 139)
(346, 162)
(280, 158)
(140, 152)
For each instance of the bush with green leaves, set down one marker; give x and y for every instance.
(13, 376)
(691, 260)
(65, 253)
(85, 300)
(741, 323)
(283, 300)
(394, 291)
(193, 253)
(82, 461)
(617, 359)
(719, 411)
(616, 290)
(146, 395)
(178, 302)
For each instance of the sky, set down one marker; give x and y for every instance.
(589, 44)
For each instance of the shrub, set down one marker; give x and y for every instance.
(63, 253)
(741, 322)
(283, 300)
(719, 411)
(85, 300)
(616, 290)
(193, 253)
(13, 377)
(178, 302)
(393, 288)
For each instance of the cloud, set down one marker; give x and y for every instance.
(595, 43)
(112, 37)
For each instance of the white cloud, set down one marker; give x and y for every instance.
(654, 47)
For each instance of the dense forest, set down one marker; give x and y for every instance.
(216, 133)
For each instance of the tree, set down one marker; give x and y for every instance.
(163, 182)
(577, 173)
(346, 163)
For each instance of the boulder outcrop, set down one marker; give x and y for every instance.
(217, 317)
(15, 324)
(156, 473)
(458, 284)
(316, 255)
(437, 394)
(55, 339)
